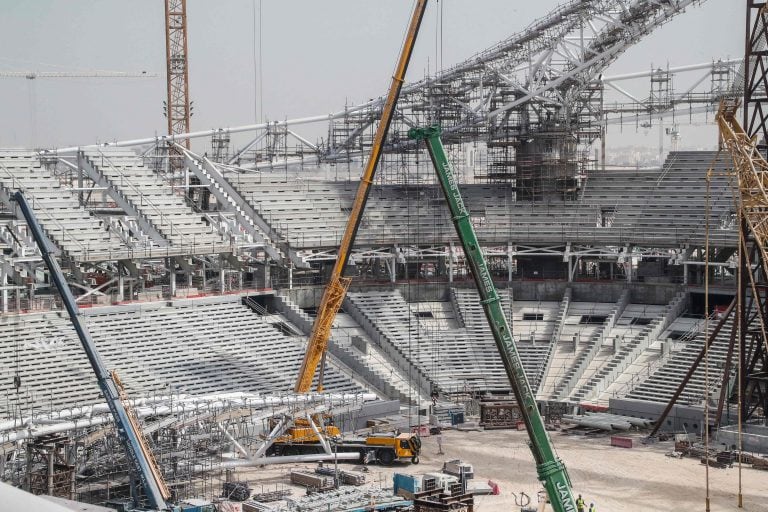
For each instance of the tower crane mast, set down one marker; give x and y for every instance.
(177, 105)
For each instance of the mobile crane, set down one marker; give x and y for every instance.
(304, 437)
(140, 457)
(336, 289)
(551, 470)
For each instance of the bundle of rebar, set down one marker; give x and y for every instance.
(267, 497)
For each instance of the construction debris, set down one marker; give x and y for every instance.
(270, 496)
(236, 491)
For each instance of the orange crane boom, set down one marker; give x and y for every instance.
(337, 285)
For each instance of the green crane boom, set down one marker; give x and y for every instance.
(551, 470)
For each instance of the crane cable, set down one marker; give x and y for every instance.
(706, 341)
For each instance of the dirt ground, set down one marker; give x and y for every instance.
(615, 479)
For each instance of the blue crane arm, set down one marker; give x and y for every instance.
(551, 470)
(139, 458)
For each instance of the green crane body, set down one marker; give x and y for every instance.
(551, 470)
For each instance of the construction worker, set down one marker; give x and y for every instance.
(580, 504)
(592, 507)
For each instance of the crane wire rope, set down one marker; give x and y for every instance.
(706, 342)
(739, 312)
(734, 185)
(258, 69)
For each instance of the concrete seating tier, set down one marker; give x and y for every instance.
(450, 357)
(80, 235)
(648, 207)
(576, 345)
(633, 334)
(663, 382)
(157, 201)
(194, 346)
(532, 323)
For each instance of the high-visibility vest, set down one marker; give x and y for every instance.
(592, 509)
(580, 504)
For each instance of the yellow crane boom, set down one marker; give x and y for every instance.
(751, 170)
(337, 285)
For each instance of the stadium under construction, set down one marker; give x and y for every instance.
(196, 321)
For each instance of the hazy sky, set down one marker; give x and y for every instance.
(317, 55)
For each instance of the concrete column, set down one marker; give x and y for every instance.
(80, 197)
(570, 269)
(120, 283)
(685, 273)
(393, 266)
(510, 259)
(290, 276)
(4, 282)
(221, 274)
(450, 262)
(171, 276)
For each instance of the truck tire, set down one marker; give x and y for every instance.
(386, 456)
(415, 459)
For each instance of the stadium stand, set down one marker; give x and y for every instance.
(196, 346)
(79, 234)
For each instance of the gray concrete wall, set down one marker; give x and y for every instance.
(680, 419)
(754, 438)
(548, 290)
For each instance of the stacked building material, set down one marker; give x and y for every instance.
(760, 463)
(345, 477)
(438, 500)
(447, 413)
(256, 506)
(499, 414)
(348, 499)
(314, 482)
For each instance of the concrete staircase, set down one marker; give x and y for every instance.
(628, 353)
(582, 361)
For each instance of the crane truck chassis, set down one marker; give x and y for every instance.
(384, 449)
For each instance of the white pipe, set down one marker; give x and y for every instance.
(287, 459)
(678, 69)
(585, 421)
(328, 117)
(237, 445)
(99, 414)
(279, 429)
